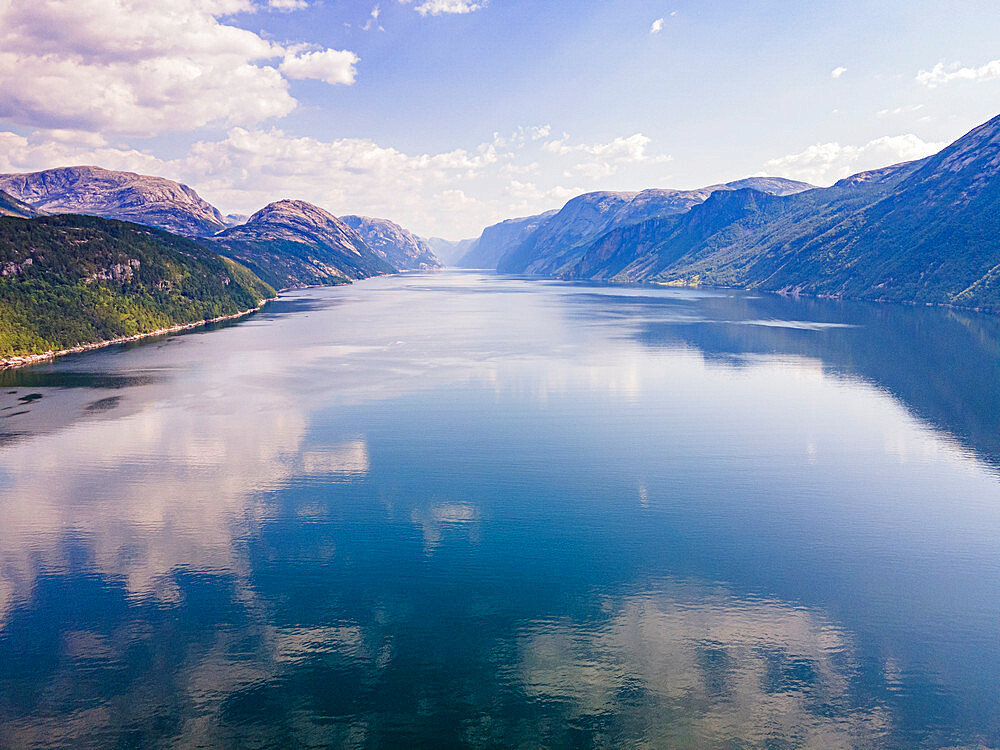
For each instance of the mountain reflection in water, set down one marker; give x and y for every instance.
(458, 509)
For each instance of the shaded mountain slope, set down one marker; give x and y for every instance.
(399, 247)
(926, 232)
(11, 206)
(500, 239)
(450, 252)
(559, 242)
(293, 243)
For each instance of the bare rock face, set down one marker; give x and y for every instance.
(153, 201)
(399, 247)
(292, 243)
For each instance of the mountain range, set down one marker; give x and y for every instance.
(292, 243)
(289, 243)
(555, 244)
(926, 231)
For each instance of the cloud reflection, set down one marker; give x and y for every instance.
(694, 665)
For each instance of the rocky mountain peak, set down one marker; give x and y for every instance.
(143, 199)
(400, 247)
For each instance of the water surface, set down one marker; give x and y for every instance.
(457, 509)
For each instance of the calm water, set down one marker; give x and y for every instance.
(461, 510)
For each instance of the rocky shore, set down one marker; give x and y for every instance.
(32, 359)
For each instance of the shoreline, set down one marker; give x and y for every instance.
(10, 363)
(787, 294)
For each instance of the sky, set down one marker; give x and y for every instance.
(450, 115)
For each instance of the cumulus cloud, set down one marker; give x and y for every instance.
(450, 193)
(332, 66)
(838, 72)
(53, 148)
(941, 74)
(657, 26)
(143, 67)
(825, 163)
(605, 159)
(441, 7)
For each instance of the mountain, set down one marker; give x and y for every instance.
(450, 251)
(11, 206)
(153, 201)
(400, 248)
(293, 243)
(638, 252)
(925, 231)
(555, 246)
(73, 280)
(499, 239)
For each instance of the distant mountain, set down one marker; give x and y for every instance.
(153, 201)
(293, 243)
(403, 250)
(234, 220)
(449, 251)
(11, 206)
(924, 231)
(67, 281)
(500, 239)
(555, 245)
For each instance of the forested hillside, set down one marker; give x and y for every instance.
(70, 280)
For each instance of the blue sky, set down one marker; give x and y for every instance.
(447, 115)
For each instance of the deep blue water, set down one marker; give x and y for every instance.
(457, 509)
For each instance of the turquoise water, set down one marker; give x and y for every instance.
(457, 509)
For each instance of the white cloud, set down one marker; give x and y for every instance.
(452, 193)
(605, 159)
(657, 26)
(631, 147)
(141, 67)
(899, 110)
(441, 7)
(332, 66)
(53, 148)
(941, 74)
(287, 5)
(373, 22)
(825, 163)
(838, 72)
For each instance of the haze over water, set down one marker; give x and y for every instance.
(458, 509)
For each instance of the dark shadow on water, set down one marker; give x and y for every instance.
(104, 404)
(943, 365)
(35, 377)
(291, 305)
